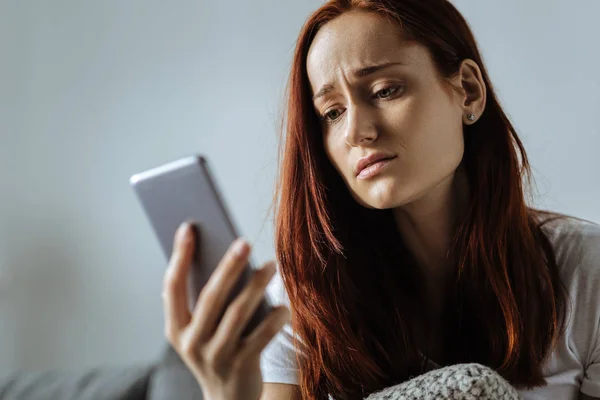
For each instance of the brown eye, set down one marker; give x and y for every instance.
(332, 115)
(387, 92)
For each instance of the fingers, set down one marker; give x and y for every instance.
(242, 308)
(177, 315)
(253, 344)
(215, 293)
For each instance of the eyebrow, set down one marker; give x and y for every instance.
(360, 73)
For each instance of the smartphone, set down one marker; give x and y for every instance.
(186, 190)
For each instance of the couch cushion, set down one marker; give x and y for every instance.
(94, 384)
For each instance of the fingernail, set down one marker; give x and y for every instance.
(239, 246)
(182, 231)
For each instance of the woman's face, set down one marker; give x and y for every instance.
(401, 110)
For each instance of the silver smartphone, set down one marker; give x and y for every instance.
(185, 190)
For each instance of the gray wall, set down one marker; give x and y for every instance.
(91, 92)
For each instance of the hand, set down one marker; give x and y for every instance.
(226, 365)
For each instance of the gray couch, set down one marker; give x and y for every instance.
(167, 379)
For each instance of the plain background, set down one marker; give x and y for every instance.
(93, 91)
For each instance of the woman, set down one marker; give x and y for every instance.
(402, 234)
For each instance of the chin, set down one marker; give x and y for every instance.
(383, 194)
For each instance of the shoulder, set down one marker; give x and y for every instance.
(576, 245)
(565, 232)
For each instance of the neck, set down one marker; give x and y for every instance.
(428, 224)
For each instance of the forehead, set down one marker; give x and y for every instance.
(353, 40)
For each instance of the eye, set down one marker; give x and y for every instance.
(331, 116)
(387, 92)
(383, 94)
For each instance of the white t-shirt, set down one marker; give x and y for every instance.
(573, 366)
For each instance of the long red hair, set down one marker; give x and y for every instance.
(355, 290)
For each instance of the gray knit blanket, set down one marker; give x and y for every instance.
(455, 382)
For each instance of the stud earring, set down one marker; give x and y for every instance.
(471, 117)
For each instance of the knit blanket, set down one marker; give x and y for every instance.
(455, 382)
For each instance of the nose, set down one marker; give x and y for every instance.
(360, 129)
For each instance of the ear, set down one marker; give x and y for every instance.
(473, 89)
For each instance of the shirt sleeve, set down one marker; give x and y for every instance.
(591, 380)
(590, 384)
(278, 359)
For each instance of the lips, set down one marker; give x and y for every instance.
(371, 159)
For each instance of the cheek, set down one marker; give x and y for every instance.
(335, 153)
(438, 119)
(432, 137)
(439, 143)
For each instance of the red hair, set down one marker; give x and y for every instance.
(355, 290)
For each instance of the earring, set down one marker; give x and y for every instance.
(471, 117)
